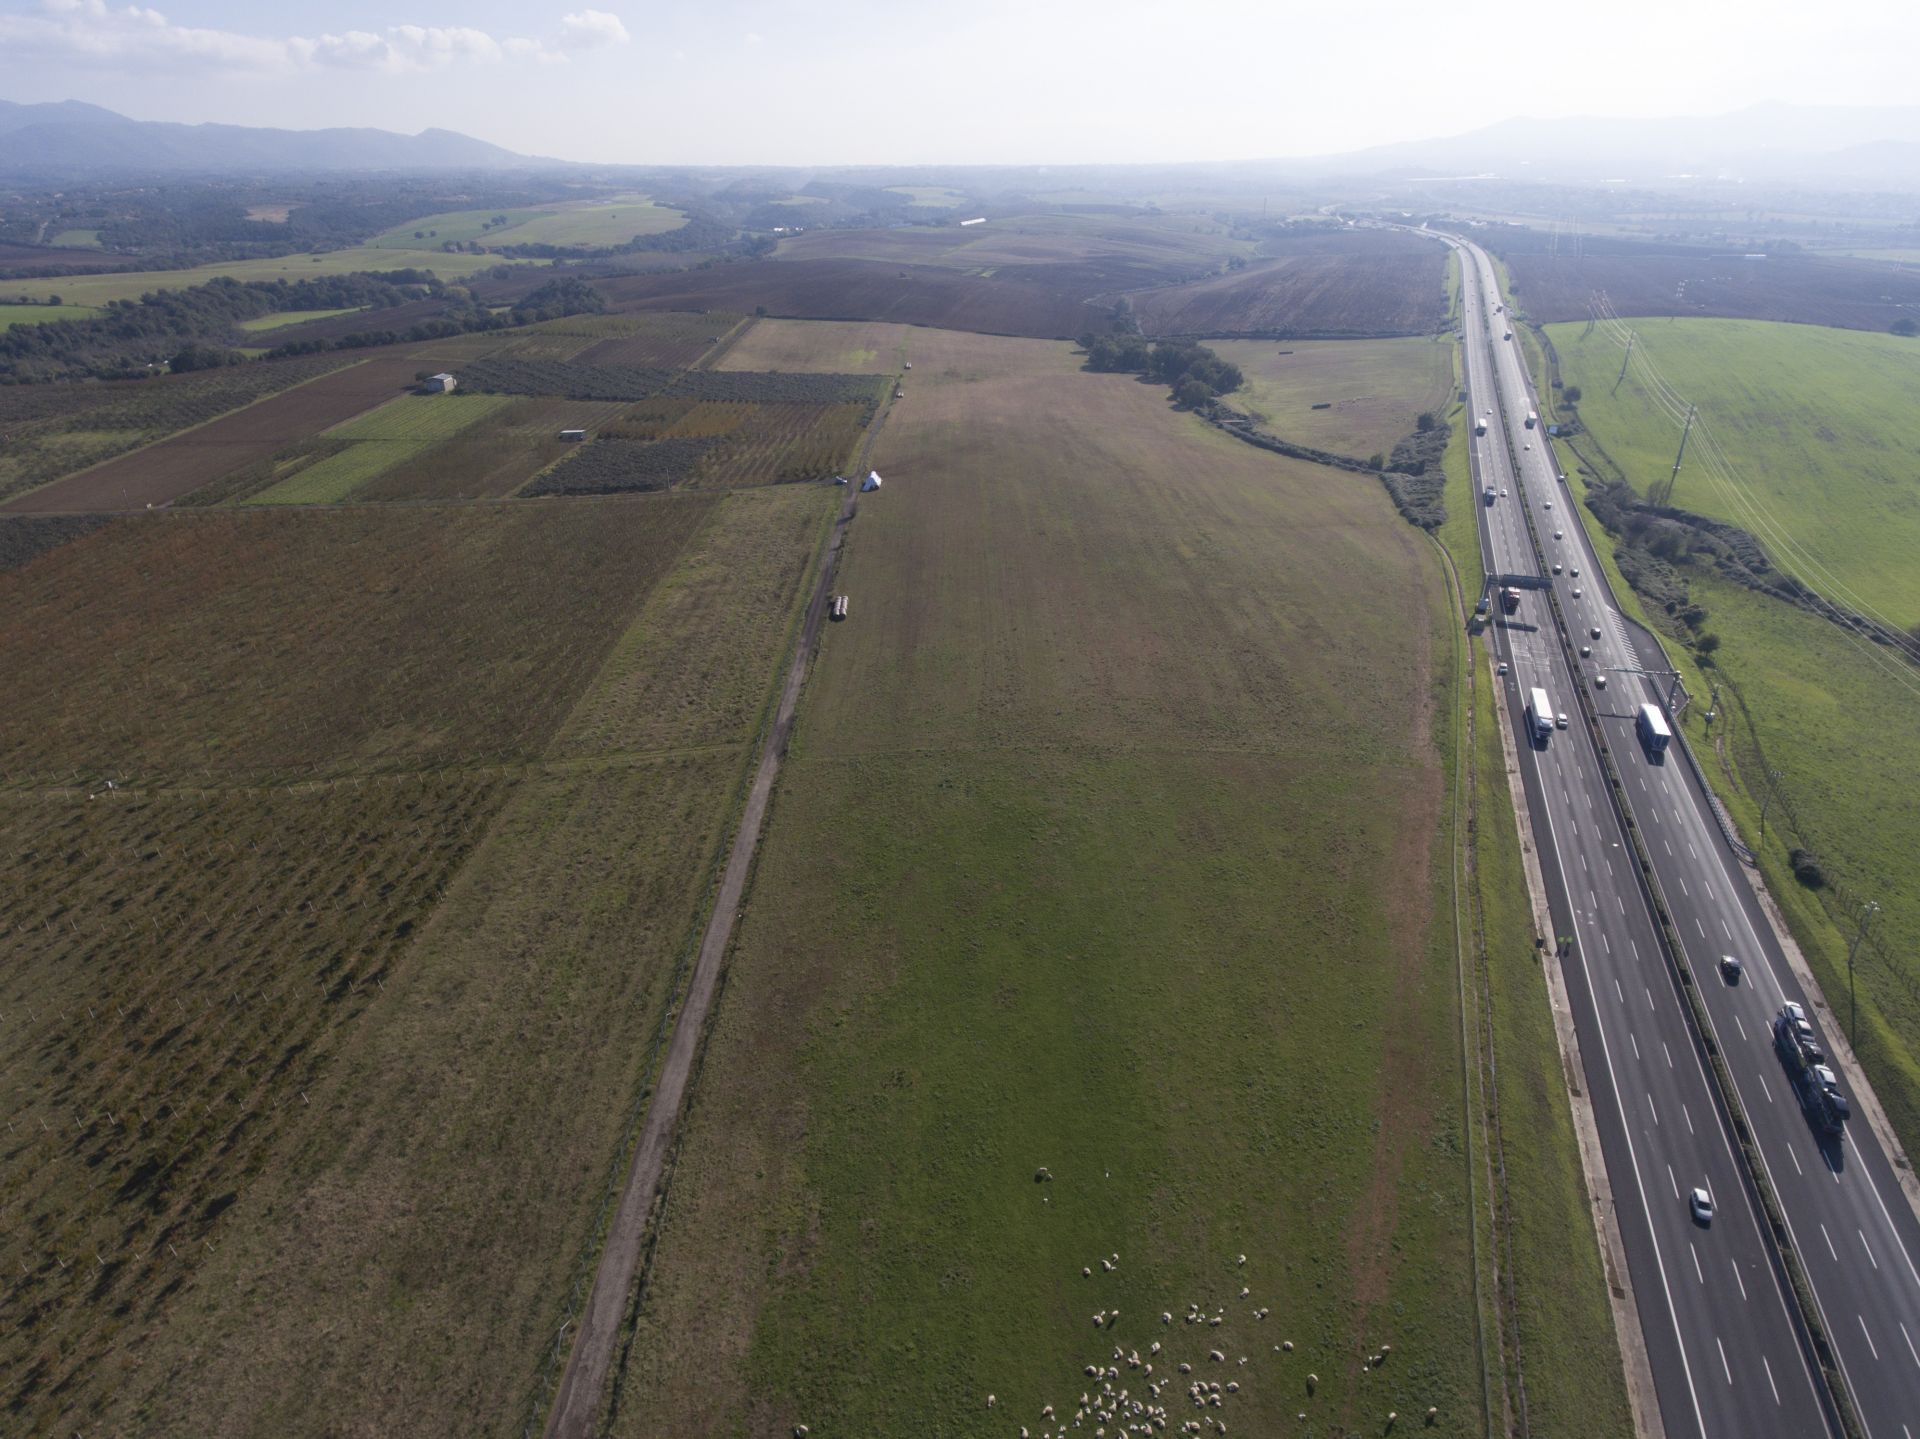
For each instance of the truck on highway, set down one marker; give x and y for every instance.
(1800, 1054)
(1533, 419)
(1539, 715)
(1652, 725)
(1479, 424)
(1509, 600)
(1489, 494)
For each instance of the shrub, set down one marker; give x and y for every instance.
(1807, 869)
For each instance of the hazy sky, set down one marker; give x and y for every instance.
(843, 81)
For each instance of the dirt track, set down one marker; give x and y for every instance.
(577, 1403)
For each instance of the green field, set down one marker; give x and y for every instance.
(77, 239)
(1374, 390)
(399, 431)
(40, 314)
(595, 223)
(1818, 424)
(1087, 857)
(933, 197)
(99, 289)
(280, 319)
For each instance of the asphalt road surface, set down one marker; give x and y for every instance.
(1728, 1353)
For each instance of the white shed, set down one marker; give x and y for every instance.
(871, 482)
(441, 384)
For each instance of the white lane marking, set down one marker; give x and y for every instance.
(1764, 1085)
(1606, 943)
(1909, 1338)
(1796, 1160)
(1743, 1294)
(1868, 1247)
(1743, 1029)
(1674, 1182)
(1690, 849)
(1608, 863)
(1698, 1273)
(1635, 1043)
(1583, 861)
(1635, 946)
(1770, 1384)
(1870, 1344)
(1656, 820)
(1729, 929)
(1688, 893)
(1723, 1359)
(1668, 1052)
(1669, 848)
(1619, 991)
(1699, 926)
(1649, 994)
(1593, 900)
(1621, 902)
(1651, 1110)
(1688, 1113)
(1829, 1238)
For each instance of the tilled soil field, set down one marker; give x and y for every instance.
(1323, 296)
(1799, 289)
(1005, 304)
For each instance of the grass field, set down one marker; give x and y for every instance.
(40, 314)
(1152, 248)
(83, 239)
(597, 223)
(937, 197)
(1818, 423)
(280, 319)
(492, 458)
(100, 289)
(1373, 390)
(1080, 863)
(399, 1259)
(401, 430)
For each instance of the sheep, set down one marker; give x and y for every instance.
(1107, 1264)
(1166, 1318)
(1233, 1388)
(1086, 1273)
(1154, 1348)
(1312, 1381)
(1242, 1259)
(1287, 1344)
(1391, 1418)
(990, 1401)
(1216, 1356)
(1433, 1414)
(1186, 1368)
(1244, 1291)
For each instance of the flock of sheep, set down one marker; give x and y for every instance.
(1127, 1397)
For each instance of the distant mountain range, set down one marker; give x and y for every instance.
(1816, 144)
(72, 138)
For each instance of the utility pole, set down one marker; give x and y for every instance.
(1867, 912)
(1624, 360)
(1684, 434)
(1773, 780)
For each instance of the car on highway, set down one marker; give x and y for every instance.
(1557, 567)
(1575, 572)
(1701, 1203)
(1794, 1012)
(1594, 632)
(1500, 668)
(1503, 494)
(1730, 968)
(1560, 720)
(1586, 652)
(1557, 535)
(1576, 592)
(1563, 477)
(1549, 504)
(1599, 682)
(1529, 445)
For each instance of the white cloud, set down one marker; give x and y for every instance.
(591, 30)
(129, 38)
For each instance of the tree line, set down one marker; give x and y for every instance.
(1194, 373)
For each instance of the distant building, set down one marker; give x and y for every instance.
(871, 482)
(441, 384)
(977, 220)
(573, 434)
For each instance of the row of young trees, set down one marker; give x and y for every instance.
(197, 328)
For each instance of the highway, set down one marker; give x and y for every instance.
(1728, 1353)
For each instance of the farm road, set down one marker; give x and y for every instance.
(577, 1403)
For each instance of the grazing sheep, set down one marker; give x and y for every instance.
(1216, 1356)
(1166, 1318)
(990, 1401)
(1312, 1380)
(1433, 1414)
(1243, 1259)
(1186, 1369)
(1244, 1291)
(1287, 1344)
(1086, 1273)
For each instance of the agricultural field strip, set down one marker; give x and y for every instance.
(380, 440)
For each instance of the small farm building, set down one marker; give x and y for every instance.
(871, 482)
(441, 384)
(573, 434)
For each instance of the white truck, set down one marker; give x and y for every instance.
(1533, 419)
(1540, 714)
(1652, 725)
